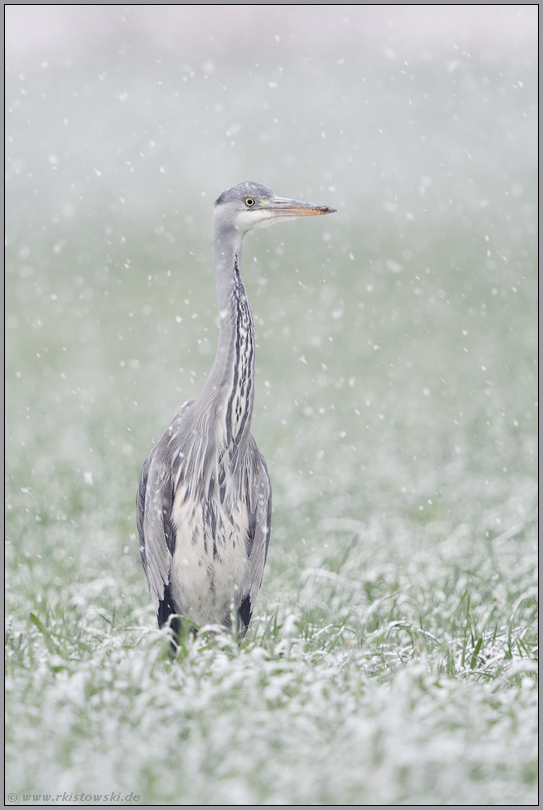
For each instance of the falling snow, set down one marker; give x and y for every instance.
(392, 655)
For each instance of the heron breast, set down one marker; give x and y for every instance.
(210, 559)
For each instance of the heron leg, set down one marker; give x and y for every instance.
(165, 610)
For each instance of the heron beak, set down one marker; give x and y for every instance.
(283, 207)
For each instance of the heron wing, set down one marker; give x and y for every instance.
(154, 506)
(260, 507)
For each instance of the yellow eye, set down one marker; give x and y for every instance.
(249, 202)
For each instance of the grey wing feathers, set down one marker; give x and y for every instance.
(260, 504)
(154, 504)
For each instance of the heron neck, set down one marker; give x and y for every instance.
(229, 390)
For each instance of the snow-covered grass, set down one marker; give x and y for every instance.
(397, 669)
(392, 655)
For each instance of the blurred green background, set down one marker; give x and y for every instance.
(396, 365)
(396, 359)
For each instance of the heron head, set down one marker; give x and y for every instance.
(250, 205)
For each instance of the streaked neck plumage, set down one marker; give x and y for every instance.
(229, 389)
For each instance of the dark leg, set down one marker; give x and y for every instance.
(165, 610)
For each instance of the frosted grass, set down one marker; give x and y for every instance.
(275, 726)
(388, 683)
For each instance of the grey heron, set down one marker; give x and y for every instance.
(204, 494)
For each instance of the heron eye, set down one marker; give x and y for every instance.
(249, 202)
